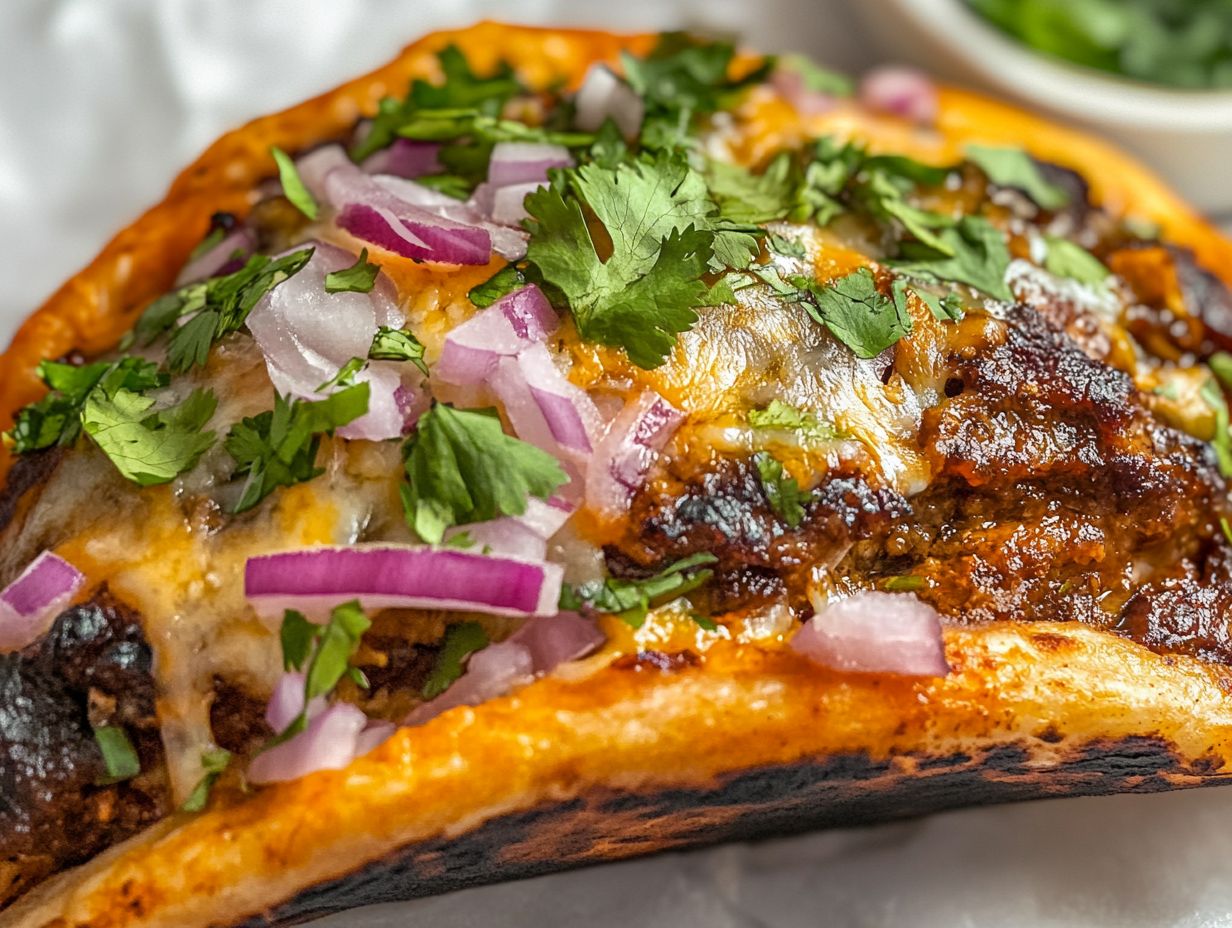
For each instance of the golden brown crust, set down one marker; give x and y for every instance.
(1053, 693)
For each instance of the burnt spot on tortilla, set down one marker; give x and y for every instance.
(92, 669)
(840, 791)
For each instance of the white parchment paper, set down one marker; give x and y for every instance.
(101, 101)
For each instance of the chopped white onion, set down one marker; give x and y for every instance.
(875, 632)
(328, 743)
(621, 460)
(604, 96)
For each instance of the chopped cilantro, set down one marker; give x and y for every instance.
(883, 195)
(359, 277)
(149, 446)
(213, 763)
(1226, 528)
(856, 313)
(1013, 167)
(631, 600)
(503, 282)
(293, 185)
(663, 235)
(345, 376)
(119, 755)
(1220, 364)
(462, 468)
(391, 344)
(279, 448)
(977, 257)
(323, 653)
(743, 196)
(947, 308)
(1066, 259)
(461, 89)
(788, 247)
(782, 491)
(218, 307)
(1221, 441)
(56, 418)
(780, 415)
(906, 583)
(816, 78)
(461, 641)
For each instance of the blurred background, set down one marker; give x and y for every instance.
(102, 101)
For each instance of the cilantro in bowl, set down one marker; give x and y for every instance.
(1185, 44)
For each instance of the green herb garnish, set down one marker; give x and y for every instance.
(461, 641)
(978, 257)
(279, 448)
(1013, 167)
(782, 491)
(119, 755)
(1066, 259)
(149, 446)
(391, 344)
(293, 185)
(213, 763)
(856, 313)
(461, 467)
(360, 277)
(631, 600)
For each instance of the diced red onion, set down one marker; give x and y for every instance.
(287, 702)
(227, 256)
(509, 243)
(405, 158)
(508, 203)
(525, 162)
(370, 211)
(544, 408)
(407, 576)
(790, 85)
(514, 322)
(307, 334)
(875, 632)
(621, 460)
(538, 647)
(372, 737)
(603, 95)
(328, 743)
(30, 603)
(525, 536)
(899, 92)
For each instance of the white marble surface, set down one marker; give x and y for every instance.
(102, 100)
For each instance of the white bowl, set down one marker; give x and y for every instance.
(1184, 135)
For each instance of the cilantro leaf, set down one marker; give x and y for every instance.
(631, 600)
(359, 277)
(56, 418)
(345, 376)
(1067, 259)
(119, 755)
(884, 198)
(856, 313)
(978, 257)
(788, 247)
(1013, 167)
(503, 282)
(780, 415)
(743, 196)
(816, 78)
(947, 308)
(149, 447)
(683, 73)
(782, 491)
(1220, 364)
(390, 344)
(1221, 441)
(461, 641)
(213, 763)
(292, 185)
(278, 448)
(462, 468)
(662, 235)
(296, 635)
(219, 306)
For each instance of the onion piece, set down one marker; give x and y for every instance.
(525, 162)
(537, 648)
(328, 743)
(315, 166)
(405, 158)
(509, 203)
(373, 736)
(407, 576)
(899, 92)
(287, 702)
(30, 603)
(604, 96)
(623, 457)
(223, 258)
(514, 322)
(525, 536)
(875, 632)
(509, 243)
(790, 85)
